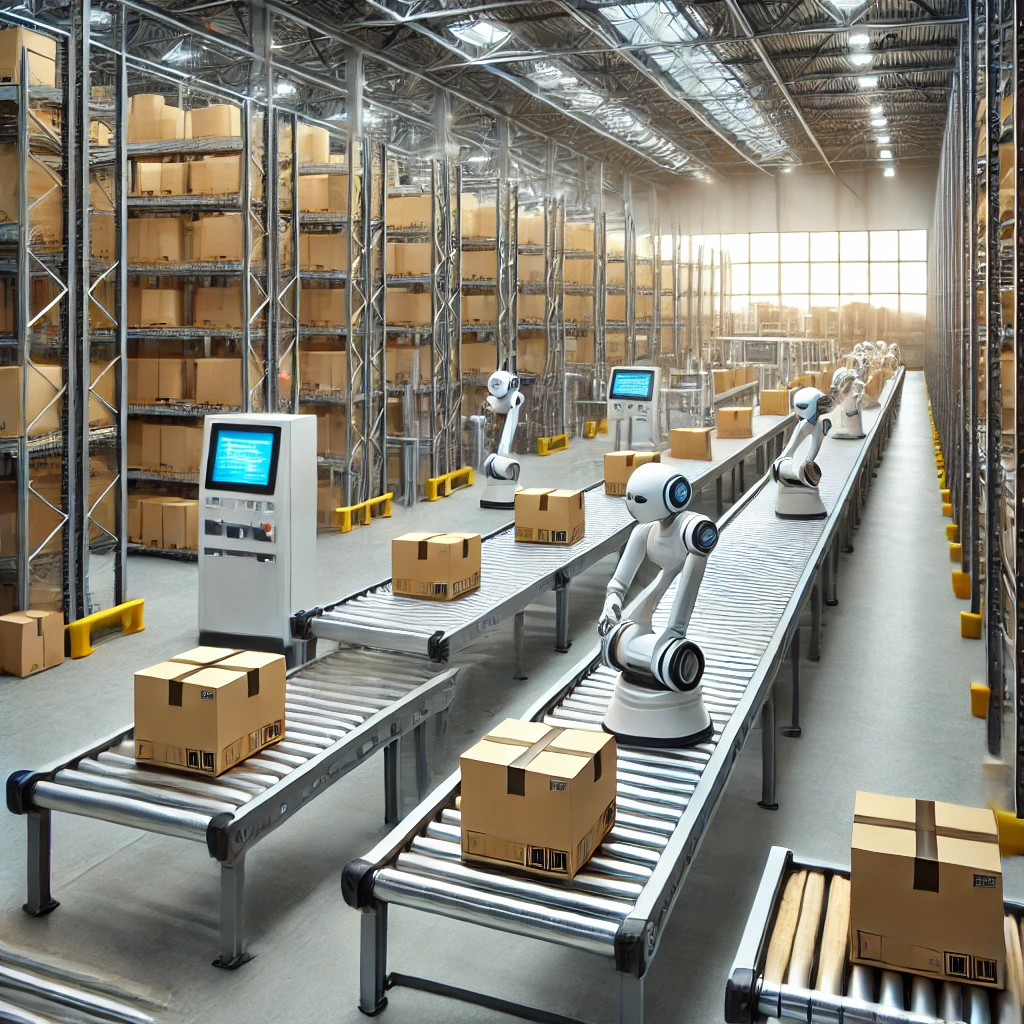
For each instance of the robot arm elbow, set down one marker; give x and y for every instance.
(700, 535)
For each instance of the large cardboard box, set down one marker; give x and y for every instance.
(218, 307)
(219, 237)
(42, 57)
(181, 448)
(480, 266)
(690, 443)
(43, 384)
(181, 524)
(435, 566)
(152, 521)
(219, 382)
(413, 259)
(314, 145)
(155, 307)
(926, 889)
(215, 175)
(46, 218)
(406, 363)
(323, 251)
(408, 307)
(152, 119)
(776, 402)
(537, 797)
(736, 422)
(161, 179)
(217, 121)
(544, 515)
(531, 355)
(323, 370)
(619, 467)
(724, 380)
(481, 309)
(479, 357)
(206, 718)
(530, 308)
(31, 641)
(156, 240)
(322, 307)
(323, 193)
(150, 445)
(408, 211)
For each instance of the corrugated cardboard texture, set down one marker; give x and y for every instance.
(42, 53)
(31, 641)
(435, 566)
(736, 422)
(690, 443)
(619, 467)
(537, 798)
(215, 175)
(547, 516)
(776, 402)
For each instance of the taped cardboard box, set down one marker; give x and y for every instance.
(206, 718)
(537, 798)
(31, 641)
(435, 566)
(218, 237)
(690, 443)
(42, 57)
(218, 307)
(155, 307)
(216, 121)
(544, 515)
(43, 413)
(736, 422)
(156, 240)
(926, 889)
(776, 402)
(619, 467)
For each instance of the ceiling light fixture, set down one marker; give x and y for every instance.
(861, 60)
(885, 154)
(889, 172)
(884, 140)
(879, 122)
(868, 81)
(860, 39)
(284, 89)
(479, 33)
(479, 159)
(787, 170)
(547, 76)
(876, 109)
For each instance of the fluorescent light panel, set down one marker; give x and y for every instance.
(479, 33)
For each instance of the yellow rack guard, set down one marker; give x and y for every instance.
(442, 486)
(550, 445)
(127, 615)
(361, 514)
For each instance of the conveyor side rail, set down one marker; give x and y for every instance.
(762, 574)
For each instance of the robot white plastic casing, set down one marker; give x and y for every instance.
(657, 700)
(848, 391)
(501, 468)
(634, 393)
(798, 496)
(257, 528)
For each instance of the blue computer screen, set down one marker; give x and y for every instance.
(243, 459)
(637, 384)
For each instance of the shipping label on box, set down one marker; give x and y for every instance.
(435, 566)
(537, 798)
(926, 892)
(549, 516)
(736, 422)
(776, 402)
(690, 443)
(619, 467)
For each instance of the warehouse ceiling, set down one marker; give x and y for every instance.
(703, 89)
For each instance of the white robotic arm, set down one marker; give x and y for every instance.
(810, 406)
(632, 558)
(504, 398)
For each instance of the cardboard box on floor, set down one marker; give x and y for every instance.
(31, 641)
(736, 422)
(435, 566)
(208, 709)
(537, 798)
(690, 443)
(926, 890)
(42, 57)
(776, 402)
(619, 467)
(42, 417)
(544, 515)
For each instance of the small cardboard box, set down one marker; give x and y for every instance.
(547, 516)
(156, 240)
(537, 798)
(435, 566)
(926, 890)
(42, 57)
(219, 237)
(777, 402)
(724, 380)
(619, 466)
(215, 175)
(219, 307)
(690, 443)
(736, 422)
(217, 121)
(206, 718)
(31, 641)
(181, 524)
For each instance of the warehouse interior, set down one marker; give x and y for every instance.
(416, 263)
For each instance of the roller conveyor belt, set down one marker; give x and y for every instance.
(514, 575)
(339, 710)
(754, 588)
(824, 987)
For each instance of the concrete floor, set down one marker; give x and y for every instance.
(886, 708)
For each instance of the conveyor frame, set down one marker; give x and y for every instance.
(332, 725)
(670, 816)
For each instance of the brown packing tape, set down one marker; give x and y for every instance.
(546, 742)
(925, 813)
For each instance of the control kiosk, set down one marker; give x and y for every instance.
(257, 529)
(633, 395)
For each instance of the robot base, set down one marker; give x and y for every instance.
(648, 715)
(500, 494)
(799, 503)
(841, 435)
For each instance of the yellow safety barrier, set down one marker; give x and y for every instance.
(961, 584)
(979, 700)
(442, 486)
(602, 427)
(947, 510)
(127, 615)
(944, 494)
(970, 626)
(956, 552)
(1011, 833)
(360, 515)
(590, 429)
(550, 445)
(952, 532)
(942, 479)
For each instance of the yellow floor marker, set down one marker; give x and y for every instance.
(956, 552)
(961, 585)
(979, 699)
(970, 626)
(952, 532)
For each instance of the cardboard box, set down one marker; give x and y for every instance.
(219, 237)
(134, 444)
(406, 363)
(619, 466)
(181, 524)
(408, 211)
(529, 308)
(736, 422)
(435, 566)
(135, 518)
(216, 121)
(181, 448)
(217, 307)
(314, 145)
(206, 718)
(323, 371)
(537, 797)
(408, 307)
(46, 218)
(532, 355)
(724, 380)
(152, 522)
(219, 382)
(43, 384)
(531, 230)
(413, 259)
(215, 175)
(544, 515)
(150, 445)
(42, 57)
(152, 119)
(690, 443)
(323, 251)
(480, 266)
(481, 309)
(479, 357)
(328, 497)
(926, 889)
(322, 307)
(777, 402)
(156, 240)
(31, 641)
(155, 307)
(147, 178)
(323, 193)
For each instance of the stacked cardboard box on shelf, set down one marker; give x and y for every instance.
(46, 218)
(409, 211)
(42, 56)
(152, 119)
(157, 380)
(215, 175)
(405, 307)
(218, 237)
(219, 381)
(323, 370)
(218, 120)
(322, 307)
(481, 309)
(159, 178)
(165, 447)
(323, 251)
(42, 413)
(313, 144)
(217, 306)
(407, 363)
(331, 430)
(155, 307)
(323, 193)
(156, 240)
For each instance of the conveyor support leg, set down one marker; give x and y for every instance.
(732, 485)
(767, 800)
(419, 739)
(373, 959)
(793, 729)
(848, 528)
(833, 598)
(631, 999)
(815, 648)
(718, 496)
(232, 892)
(562, 643)
(519, 627)
(392, 781)
(40, 899)
(759, 453)
(743, 486)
